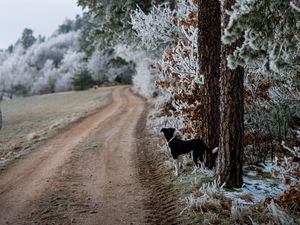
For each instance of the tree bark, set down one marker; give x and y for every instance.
(209, 39)
(230, 158)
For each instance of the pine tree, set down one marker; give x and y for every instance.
(270, 31)
(27, 38)
(269, 52)
(115, 19)
(82, 80)
(209, 41)
(230, 158)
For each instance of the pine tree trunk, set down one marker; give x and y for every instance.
(230, 157)
(209, 39)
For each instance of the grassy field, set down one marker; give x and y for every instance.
(29, 120)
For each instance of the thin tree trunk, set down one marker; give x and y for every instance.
(172, 4)
(229, 167)
(209, 39)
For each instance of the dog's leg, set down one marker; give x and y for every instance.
(197, 156)
(177, 167)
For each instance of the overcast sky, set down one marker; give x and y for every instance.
(43, 16)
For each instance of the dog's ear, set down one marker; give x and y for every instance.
(162, 129)
(172, 130)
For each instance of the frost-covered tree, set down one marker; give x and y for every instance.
(155, 32)
(154, 29)
(86, 41)
(41, 68)
(179, 102)
(98, 65)
(3, 55)
(66, 27)
(10, 48)
(82, 80)
(271, 111)
(53, 49)
(115, 17)
(107, 66)
(143, 79)
(270, 29)
(49, 65)
(270, 55)
(121, 70)
(70, 25)
(27, 38)
(15, 74)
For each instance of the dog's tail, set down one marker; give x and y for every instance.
(215, 150)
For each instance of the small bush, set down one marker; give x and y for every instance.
(82, 80)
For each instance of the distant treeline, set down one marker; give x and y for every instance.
(66, 60)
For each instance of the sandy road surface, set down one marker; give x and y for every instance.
(99, 171)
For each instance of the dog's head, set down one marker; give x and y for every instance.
(168, 132)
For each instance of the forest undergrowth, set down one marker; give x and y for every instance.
(270, 194)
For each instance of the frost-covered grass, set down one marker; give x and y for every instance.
(270, 194)
(31, 119)
(263, 199)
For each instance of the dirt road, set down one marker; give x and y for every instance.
(101, 170)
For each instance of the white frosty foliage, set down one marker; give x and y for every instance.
(98, 65)
(282, 105)
(278, 215)
(298, 134)
(269, 31)
(155, 29)
(15, 75)
(202, 170)
(158, 30)
(143, 80)
(294, 6)
(70, 64)
(207, 195)
(53, 49)
(44, 67)
(186, 66)
(3, 56)
(236, 211)
(295, 150)
(46, 80)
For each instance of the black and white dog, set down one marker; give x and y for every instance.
(180, 147)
